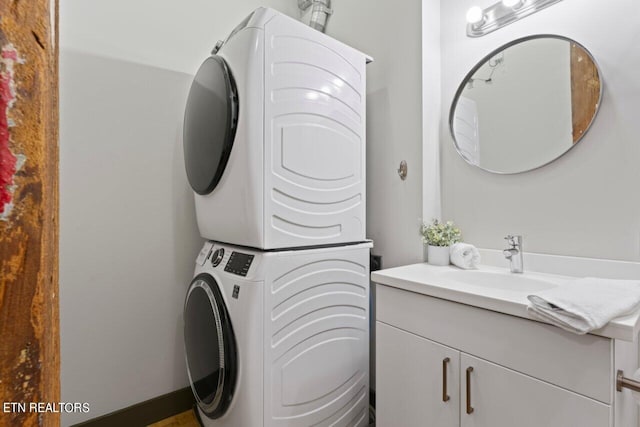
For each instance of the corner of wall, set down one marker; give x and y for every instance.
(431, 111)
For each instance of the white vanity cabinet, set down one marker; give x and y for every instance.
(501, 397)
(497, 370)
(422, 383)
(418, 384)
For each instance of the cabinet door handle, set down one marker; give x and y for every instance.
(445, 396)
(469, 407)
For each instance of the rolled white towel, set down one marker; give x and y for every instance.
(583, 305)
(465, 256)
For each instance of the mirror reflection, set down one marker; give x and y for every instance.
(526, 104)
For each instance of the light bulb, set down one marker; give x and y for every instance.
(475, 15)
(512, 3)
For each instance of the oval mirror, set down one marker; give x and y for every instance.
(526, 104)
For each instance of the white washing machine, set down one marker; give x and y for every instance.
(279, 338)
(274, 137)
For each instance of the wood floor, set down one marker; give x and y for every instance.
(185, 419)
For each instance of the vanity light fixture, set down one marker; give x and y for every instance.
(475, 16)
(483, 21)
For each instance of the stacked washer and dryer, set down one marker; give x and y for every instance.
(276, 319)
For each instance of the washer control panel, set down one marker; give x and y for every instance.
(239, 263)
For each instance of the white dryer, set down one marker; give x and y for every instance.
(279, 338)
(274, 137)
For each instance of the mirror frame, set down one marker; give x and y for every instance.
(494, 52)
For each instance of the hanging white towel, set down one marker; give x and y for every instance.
(465, 256)
(583, 305)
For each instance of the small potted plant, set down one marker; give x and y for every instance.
(439, 236)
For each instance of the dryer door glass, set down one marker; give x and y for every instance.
(210, 122)
(210, 346)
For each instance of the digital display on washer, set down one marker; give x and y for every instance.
(239, 263)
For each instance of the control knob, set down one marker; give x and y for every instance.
(217, 256)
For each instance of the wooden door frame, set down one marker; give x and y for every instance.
(29, 309)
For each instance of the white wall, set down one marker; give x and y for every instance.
(585, 203)
(128, 233)
(174, 35)
(128, 236)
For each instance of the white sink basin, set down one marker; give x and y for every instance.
(497, 289)
(498, 280)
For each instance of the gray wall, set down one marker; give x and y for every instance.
(431, 109)
(586, 203)
(127, 234)
(392, 36)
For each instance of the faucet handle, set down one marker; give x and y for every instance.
(514, 241)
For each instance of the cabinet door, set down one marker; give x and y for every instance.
(411, 375)
(501, 397)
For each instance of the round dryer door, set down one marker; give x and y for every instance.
(210, 122)
(210, 346)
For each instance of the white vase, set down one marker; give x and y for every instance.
(438, 255)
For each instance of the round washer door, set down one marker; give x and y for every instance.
(210, 122)
(210, 346)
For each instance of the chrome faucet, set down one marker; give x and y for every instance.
(514, 253)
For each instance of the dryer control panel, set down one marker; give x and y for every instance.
(239, 263)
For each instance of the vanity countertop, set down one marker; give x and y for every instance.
(491, 288)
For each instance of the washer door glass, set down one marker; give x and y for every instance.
(210, 347)
(210, 122)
